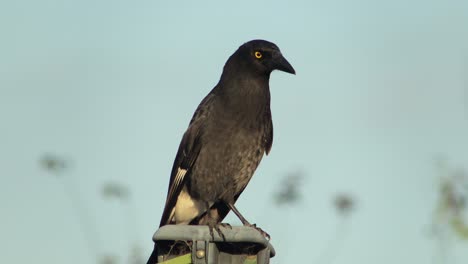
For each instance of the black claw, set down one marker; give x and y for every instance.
(265, 234)
(220, 233)
(225, 225)
(211, 232)
(218, 230)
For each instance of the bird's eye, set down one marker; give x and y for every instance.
(258, 54)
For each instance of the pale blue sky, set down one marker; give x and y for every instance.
(380, 92)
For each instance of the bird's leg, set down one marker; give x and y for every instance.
(234, 209)
(211, 220)
(215, 226)
(245, 222)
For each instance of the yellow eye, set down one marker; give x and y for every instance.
(258, 54)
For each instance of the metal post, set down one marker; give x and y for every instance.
(189, 244)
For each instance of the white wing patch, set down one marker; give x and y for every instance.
(186, 208)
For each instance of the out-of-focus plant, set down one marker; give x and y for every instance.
(60, 167)
(53, 163)
(344, 204)
(289, 192)
(121, 193)
(108, 259)
(136, 255)
(115, 190)
(451, 205)
(450, 214)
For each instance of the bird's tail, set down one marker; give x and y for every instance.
(153, 259)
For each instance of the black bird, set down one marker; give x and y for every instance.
(226, 139)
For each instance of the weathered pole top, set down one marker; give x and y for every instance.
(184, 244)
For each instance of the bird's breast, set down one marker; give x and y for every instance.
(231, 153)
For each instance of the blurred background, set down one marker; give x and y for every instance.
(370, 157)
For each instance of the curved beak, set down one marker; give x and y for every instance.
(280, 63)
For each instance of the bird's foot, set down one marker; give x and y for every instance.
(218, 230)
(265, 234)
(225, 225)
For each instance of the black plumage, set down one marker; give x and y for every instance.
(226, 139)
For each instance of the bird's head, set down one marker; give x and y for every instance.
(260, 56)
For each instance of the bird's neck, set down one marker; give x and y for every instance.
(246, 96)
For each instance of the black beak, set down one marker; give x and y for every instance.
(280, 63)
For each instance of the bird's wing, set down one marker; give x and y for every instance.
(268, 134)
(186, 157)
(221, 208)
